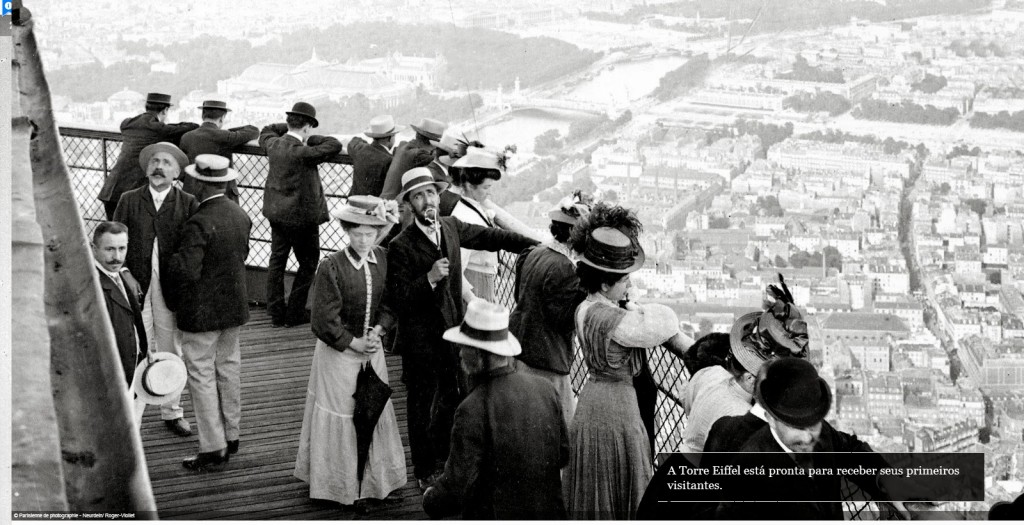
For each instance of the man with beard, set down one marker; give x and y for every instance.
(138, 132)
(427, 301)
(155, 216)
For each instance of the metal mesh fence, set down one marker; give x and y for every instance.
(90, 154)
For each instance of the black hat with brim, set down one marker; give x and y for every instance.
(793, 392)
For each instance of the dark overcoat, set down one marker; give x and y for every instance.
(208, 268)
(126, 320)
(294, 194)
(403, 161)
(370, 163)
(138, 132)
(509, 443)
(209, 139)
(145, 224)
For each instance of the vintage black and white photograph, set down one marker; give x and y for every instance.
(438, 259)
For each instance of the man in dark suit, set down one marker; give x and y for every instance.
(796, 401)
(121, 298)
(155, 216)
(370, 162)
(406, 155)
(138, 132)
(209, 270)
(547, 294)
(509, 442)
(211, 138)
(427, 302)
(294, 203)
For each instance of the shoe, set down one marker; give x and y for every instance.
(233, 446)
(179, 426)
(208, 461)
(279, 323)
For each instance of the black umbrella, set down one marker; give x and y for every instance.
(371, 397)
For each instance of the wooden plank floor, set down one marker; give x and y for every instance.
(258, 482)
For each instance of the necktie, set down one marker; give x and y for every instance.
(120, 284)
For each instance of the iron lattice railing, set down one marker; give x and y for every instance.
(90, 154)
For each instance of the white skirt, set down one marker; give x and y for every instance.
(327, 457)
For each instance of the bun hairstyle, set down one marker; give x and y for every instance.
(603, 215)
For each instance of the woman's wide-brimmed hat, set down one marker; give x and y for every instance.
(211, 168)
(610, 250)
(571, 209)
(162, 147)
(382, 126)
(361, 209)
(306, 110)
(485, 327)
(748, 354)
(792, 391)
(215, 104)
(417, 178)
(158, 98)
(479, 158)
(430, 128)
(159, 377)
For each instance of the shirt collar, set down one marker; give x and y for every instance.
(598, 297)
(113, 275)
(159, 195)
(426, 231)
(758, 411)
(212, 197)
(779, 441)
(350, 254)
(562, 249)
(296, 135)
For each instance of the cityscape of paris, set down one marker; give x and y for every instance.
(871, 152)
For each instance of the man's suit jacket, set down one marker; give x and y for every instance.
(126, 319)
(729, 433)
(137, 211)
(370, 163)
(424, 313)
(209, 139)
(293, 192)
(138, 132)
(404, 160)
(824, 493)
(509, 442)
(209, 268)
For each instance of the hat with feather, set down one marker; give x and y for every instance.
(779, 330)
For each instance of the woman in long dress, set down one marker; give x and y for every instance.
(349, 320)
(610, 460)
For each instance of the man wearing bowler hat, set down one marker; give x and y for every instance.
(427, 301)
(138, 132)
(294, 203)
(370, 162)
(211, 138)
(155, 216)
(209, 270)
(426, 130)
(509, 441)
(796, 401)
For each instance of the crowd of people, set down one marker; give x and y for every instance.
(494, 427)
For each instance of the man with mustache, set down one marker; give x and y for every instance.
(140, 131)
(121, 299)
(155, 216)
(427, 302)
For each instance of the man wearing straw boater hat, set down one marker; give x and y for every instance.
(211, 138)
(547, 294)
(427, 301)
(370, 162)
(294, 204)
(138, 132)
(509, 441)
(121, 295)
(209, 270)
(155, 216)
(426, 130)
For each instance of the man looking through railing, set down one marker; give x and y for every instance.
(294, 203)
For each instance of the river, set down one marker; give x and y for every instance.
(621, 83)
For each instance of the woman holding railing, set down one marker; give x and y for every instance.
(609, 454)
